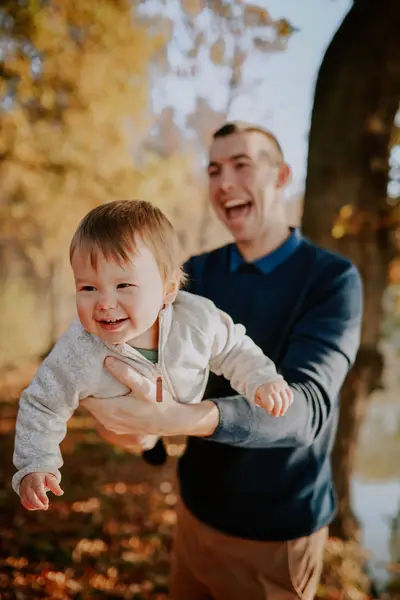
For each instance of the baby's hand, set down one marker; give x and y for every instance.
(33, 490)
(275, 397)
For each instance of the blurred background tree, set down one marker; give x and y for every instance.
(223, 33)
(77, 128)
(346, 199)
(74, 101)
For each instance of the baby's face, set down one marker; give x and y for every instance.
(120, 302)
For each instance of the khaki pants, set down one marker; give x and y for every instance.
(209, 565)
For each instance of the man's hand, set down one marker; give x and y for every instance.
(275, 397)
(33, 490)
(139, 414)
(126, 441)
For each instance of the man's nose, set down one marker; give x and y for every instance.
(227, 180)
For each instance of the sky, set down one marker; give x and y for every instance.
(282, 102)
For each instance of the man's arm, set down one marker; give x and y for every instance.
(321, 349)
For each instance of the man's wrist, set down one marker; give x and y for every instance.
(199, 420)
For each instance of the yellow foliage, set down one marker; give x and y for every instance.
(75, 77)
(284, 28)
(171, 185)
(67, 142)
(394, 272)
(256, 16)
(338, 231)
(23, 322)
(346, 211)
(193, 7)
(217, 52)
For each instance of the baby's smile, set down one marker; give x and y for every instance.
(112, 324)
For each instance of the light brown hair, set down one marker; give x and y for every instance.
(111, 229)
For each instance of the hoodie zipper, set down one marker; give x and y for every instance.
(154, 366)
(159, 389)
(159, 381)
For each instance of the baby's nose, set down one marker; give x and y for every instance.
(105, 303)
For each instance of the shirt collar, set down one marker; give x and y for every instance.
(268, 263)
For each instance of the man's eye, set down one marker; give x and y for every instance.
(123, 285)
(213, 173)
(88, 288)
(242, 165)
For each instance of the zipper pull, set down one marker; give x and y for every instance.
(159, 389)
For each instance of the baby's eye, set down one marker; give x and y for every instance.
(88, 288)
(124, 285)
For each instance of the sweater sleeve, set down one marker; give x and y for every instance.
(46, 406)
(235, 356)
(319, 352)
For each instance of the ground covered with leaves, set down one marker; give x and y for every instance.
(109, 536)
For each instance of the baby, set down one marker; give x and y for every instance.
(125, 260)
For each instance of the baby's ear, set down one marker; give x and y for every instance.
(171, 288)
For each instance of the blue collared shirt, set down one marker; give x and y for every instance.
(271, 261)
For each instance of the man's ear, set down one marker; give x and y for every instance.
(171, 288)
(284, 175)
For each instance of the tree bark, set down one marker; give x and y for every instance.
(356, 99)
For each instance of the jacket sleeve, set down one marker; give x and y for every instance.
(235, 356)
(45, 408)
(320, 350)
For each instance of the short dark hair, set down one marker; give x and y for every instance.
(243, 127)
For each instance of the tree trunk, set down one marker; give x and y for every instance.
(356, 99)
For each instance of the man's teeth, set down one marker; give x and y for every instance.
(233, 203)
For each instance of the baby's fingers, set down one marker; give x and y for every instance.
(287, 399)
(265, 402)
(278, 403)
(38, 489)
(28, 505)
(289, 395)
(52, 485)
(31, 501)
(284, 404)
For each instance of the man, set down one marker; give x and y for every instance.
(256, 491)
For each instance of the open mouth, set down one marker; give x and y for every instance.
(237, 209)
(111, 324)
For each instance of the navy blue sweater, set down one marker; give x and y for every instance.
(260, 477)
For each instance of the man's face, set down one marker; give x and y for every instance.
(245, 177)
